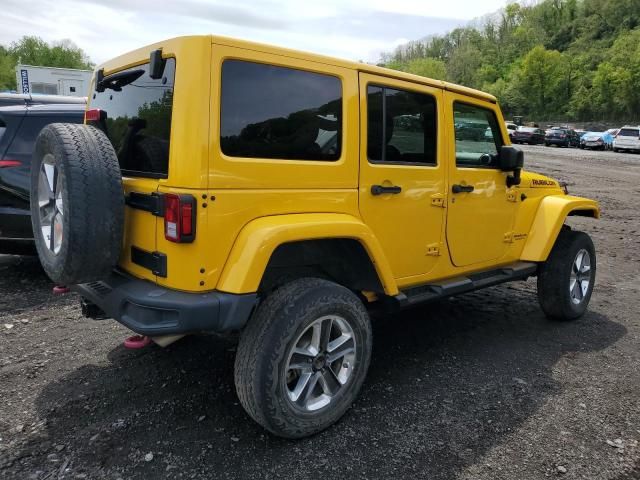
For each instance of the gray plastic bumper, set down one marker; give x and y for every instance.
(149, 309)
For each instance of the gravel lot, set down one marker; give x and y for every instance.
(481, 386)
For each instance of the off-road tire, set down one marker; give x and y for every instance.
(554, 276)
(271, 332)
(91, 191)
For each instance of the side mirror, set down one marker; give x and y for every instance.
(511, 159)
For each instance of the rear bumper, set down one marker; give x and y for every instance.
(556, 141)
(149, 309)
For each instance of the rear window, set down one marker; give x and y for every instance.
(279, 113)
(137, 118)
(629, 132)
(3, 128)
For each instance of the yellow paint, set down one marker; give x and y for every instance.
(477, 221)
(246, 207)
(548, 222)
(405, 223)
(257, 241)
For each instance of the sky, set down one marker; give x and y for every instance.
(350, 29)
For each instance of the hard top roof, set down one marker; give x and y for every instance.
(135, 56)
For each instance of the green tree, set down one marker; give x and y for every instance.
(576, 59)
(425, 67)
(35, 51)
(539, 81)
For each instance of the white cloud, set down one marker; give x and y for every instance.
(354, 29)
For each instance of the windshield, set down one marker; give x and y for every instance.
(136, 116)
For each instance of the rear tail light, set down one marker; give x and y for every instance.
(94, 115)
(179, 218)
(10, 163)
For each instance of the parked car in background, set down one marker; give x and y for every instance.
(596, 141)
(8, 99)
(19, 127)
(511, 127)
(581, 133)
(628, 138)
(561, 137)
(529, 135)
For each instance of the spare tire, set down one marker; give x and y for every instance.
(77, 203)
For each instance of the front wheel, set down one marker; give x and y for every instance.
(566, 279)
(303, 357)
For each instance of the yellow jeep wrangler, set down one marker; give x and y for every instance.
(220, 185)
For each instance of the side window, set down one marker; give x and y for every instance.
(279, 113)
(478, 137)
(401, 126)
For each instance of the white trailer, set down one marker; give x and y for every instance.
(53, 81)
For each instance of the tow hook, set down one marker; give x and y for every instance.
(61, 289)
(136, 342)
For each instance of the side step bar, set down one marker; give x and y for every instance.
(458, 285)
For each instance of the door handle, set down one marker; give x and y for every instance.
(380, 189)
(462, 188)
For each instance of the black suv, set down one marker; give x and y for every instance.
(19, 127)
(562, 137)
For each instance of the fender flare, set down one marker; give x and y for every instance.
(259, 238)
(549, 218)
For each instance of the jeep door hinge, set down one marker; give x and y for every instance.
(149, 202)
(512, 195)
(508, 237)
(433, 249)
(438, 200)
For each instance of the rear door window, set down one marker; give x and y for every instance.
(401, 126)
(276, 112)
(136, 116)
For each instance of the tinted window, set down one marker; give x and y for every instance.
(628, 132)
(3, 128)
(401, 126)
(24, 141)
(477, 136)
(280, 113)
(137, 118)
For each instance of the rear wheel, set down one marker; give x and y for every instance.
(566, 279)
(303, 357)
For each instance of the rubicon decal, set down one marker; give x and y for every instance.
(543, 183)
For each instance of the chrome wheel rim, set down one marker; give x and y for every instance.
(320, 363)
(50, 205)
(580, 278)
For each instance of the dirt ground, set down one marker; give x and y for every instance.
(480, 386)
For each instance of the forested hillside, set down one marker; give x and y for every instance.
(557, 59)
